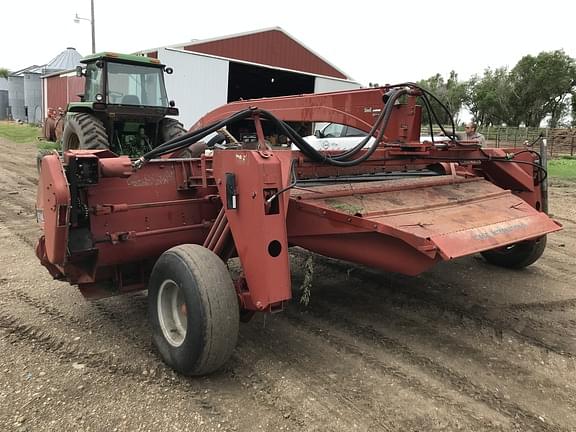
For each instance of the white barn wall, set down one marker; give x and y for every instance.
(322, 85)
(198, 84)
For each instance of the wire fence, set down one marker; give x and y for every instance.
(561, 142)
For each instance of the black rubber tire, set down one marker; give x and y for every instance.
(211, 308)
(84, 132)
(518, 255)
(169, 129)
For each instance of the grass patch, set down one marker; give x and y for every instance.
(48, 145)
(564, 168)
(19, 133)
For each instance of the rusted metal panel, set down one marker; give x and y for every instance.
(273, 48)
(449, 216)
(53, 203)
(62, 89)
(246, 181)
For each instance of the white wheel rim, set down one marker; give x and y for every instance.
(172, 312)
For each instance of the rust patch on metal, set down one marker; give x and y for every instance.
(158, 178)
(344, 207)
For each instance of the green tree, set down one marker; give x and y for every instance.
(535, 89)
(489, 96)
(540, 86)
(451, 92)
(573, 107)
(4, 73)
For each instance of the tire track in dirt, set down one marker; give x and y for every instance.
(119, 327)
(487, 315)
(453, 379)
(404, 322)
(19, 333)
(345, 349)
(543, 306)
(419, 334)
(260, 389)
(338, 406)
(126, 327)
(17, 215)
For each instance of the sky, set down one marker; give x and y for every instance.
(371, 41)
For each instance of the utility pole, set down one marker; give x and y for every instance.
(92, 24)
(93, 27)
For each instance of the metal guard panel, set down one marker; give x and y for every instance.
(461, 243)
(450, 215)
(53, 193)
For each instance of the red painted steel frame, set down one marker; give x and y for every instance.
(227, 203)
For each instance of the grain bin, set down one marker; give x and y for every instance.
(3, 104)
(33, 97)
(16, 97)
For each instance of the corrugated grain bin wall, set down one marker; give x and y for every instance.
(3, 104)
(33, 97)
(16, 97)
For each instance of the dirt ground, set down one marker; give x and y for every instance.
(466, 346)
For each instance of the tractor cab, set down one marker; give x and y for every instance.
(124, 102)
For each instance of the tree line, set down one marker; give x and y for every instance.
(538, 88)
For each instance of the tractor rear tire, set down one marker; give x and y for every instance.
(193, 308)
(518, 255)
(84, 132)
(169, 129)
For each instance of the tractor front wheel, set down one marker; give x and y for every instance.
(193, 310)
(84, 132)
(518, 255)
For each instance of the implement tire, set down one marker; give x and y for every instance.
(84, 132)
(193, 309)
(518, 255)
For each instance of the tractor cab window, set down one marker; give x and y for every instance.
(93, 82)
(130, 84)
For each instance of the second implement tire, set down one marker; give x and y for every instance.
(83, 131)
(518, 255)
(193, 309)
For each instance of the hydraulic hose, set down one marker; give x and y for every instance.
(344, 159)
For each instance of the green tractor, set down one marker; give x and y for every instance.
(123, 108)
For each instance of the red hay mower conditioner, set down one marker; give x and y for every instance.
(169, 223)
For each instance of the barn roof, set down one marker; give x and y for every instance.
(270, 46)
